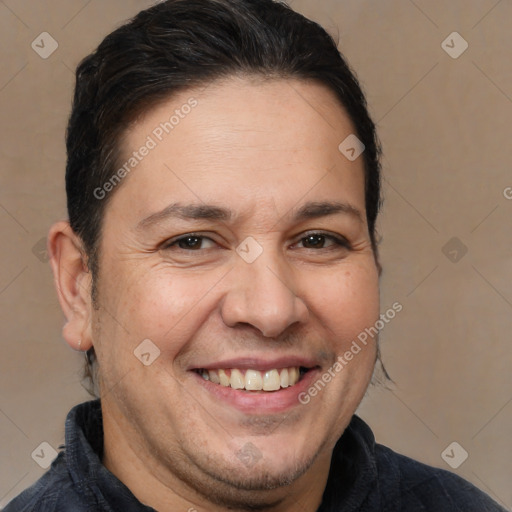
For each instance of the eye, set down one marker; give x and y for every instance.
(190, 242)
(322, 241)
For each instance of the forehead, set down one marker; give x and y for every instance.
(246, 142)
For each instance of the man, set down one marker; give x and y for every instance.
(219, 267)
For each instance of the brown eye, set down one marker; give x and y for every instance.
(190, 243)
(314, 241)
(322, 241)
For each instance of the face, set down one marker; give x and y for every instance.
(238, 246)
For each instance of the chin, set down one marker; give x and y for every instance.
(259, 487)
(252, 470)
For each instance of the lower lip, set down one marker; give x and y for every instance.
(260, 402)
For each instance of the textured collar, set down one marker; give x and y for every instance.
(84, 450)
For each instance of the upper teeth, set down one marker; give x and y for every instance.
(253, 380)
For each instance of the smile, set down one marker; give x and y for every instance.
(254, 380)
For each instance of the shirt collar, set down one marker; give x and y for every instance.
(84, 450)
(353, 477)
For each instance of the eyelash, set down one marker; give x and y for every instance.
(337, 240)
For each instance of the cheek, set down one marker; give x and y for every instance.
(169, 306)
(347, 302)
(165, 306)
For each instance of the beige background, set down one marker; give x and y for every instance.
(446, 127)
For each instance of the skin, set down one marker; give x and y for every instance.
(262, 149)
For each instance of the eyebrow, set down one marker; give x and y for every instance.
(187, 212)
(310, 210)
(313, 210)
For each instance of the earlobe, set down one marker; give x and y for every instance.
(73, 283)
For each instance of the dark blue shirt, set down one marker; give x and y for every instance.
(364, 476)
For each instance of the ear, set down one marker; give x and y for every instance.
(73, 282)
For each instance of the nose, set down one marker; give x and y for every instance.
(261, 294)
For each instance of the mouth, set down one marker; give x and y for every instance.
(253, 380)
(257, 386)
